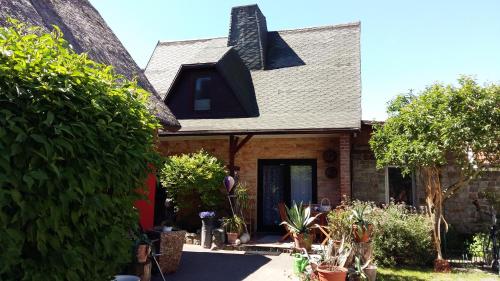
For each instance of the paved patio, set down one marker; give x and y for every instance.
(202, 264)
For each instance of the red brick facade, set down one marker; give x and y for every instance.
(300, 147)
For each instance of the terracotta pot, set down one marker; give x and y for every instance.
(232, 237)
(302, 241)
(142, 253)
(326, 274)
(365, 235)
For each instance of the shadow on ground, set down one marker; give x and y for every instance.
(215, 266)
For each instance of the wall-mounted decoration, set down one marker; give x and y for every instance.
(331, 172)
(330, 155)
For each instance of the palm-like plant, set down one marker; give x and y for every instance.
(360, 219)
(299, 220)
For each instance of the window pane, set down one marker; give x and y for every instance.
(273, 193)
(301, 184)
(400, 188)
(202, 93)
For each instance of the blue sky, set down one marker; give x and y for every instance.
(404, 44)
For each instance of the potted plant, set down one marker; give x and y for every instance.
(234, 226)
(362, 228)
(142, 247)
(207, 224)
(333, 266)
(300, 222)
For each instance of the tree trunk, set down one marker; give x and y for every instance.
(434, 200)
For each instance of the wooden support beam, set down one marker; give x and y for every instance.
(243, 142)
(234, 146)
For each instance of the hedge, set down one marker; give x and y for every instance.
(76, 141)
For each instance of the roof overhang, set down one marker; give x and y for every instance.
(259, 132)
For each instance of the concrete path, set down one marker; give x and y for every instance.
(198, 264)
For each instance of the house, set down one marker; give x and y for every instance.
(86, 31)
(283, 110)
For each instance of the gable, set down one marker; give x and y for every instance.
(223, 102)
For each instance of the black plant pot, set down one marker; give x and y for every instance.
(207, 225)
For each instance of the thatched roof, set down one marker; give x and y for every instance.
(86, 31)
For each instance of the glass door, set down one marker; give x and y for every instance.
(283, 181)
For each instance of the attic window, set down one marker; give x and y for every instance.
(202, 94)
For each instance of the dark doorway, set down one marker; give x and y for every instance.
(285, 181)
(400, 187)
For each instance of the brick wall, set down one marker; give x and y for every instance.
(268, 148)
(345, 164)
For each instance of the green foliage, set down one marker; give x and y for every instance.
(479, 245)
(340, 224)
(401, 236)
(197, 173)
(75, 143)
(234, 224)
(424, 130)
(299, 219)
(359, 215)
(242, 197)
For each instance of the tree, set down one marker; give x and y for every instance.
(194, 182)
(76, 141)
(443, 125)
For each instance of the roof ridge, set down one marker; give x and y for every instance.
(322, 27)
(304, 29)
(187, 41)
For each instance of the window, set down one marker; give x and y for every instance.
(202, 94)
(401, 189)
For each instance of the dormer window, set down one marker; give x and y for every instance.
(202, 93)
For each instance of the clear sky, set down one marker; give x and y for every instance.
(404, 44)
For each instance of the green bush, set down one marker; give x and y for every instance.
(194, 182)
(402, 236)
(75, 143)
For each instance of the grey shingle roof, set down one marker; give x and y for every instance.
(312, 80)
(86, 31)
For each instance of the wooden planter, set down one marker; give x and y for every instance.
(171, 250)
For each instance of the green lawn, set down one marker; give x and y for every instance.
(421, 274)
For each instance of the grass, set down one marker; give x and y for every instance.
(424, 274)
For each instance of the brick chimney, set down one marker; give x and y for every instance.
(248, 35)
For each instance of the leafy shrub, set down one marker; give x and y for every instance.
(479, 245)
(194, 181)
(75, 143)
(402, 237)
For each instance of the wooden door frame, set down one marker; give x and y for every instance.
(288, 162)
